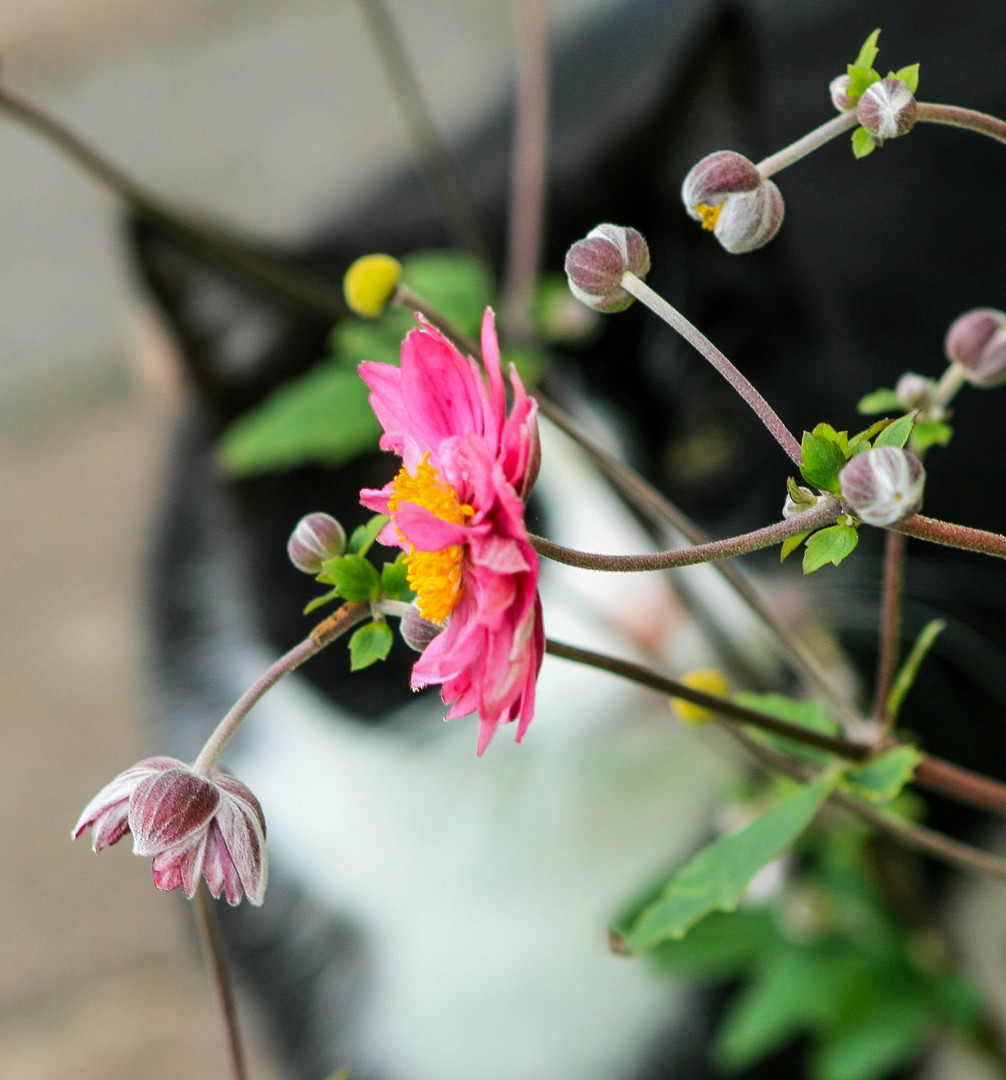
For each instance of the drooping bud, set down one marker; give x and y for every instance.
(914, 392)
(839, 90)
(416, 631)
(727, 193)
(315, 539)
(977, 341)
(370, 283)
(887, 109)
(883, 486)
(596, 264)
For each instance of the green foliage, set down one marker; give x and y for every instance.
(394, 579)
(860, 71)
(369, 644)
(882, 778)
(363, 536)
(878, 401)
(927, 433)
(897, 432)
(863, 143)
(830, 545)
(716, 877)
(908, 75)
(355, 578)
(805, 713)
(823, 452)
(791, 544)
(910, 668)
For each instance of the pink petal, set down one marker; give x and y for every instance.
(442, 396)
(428, 532)
(116, 794)
(167, 809)
(180, 865)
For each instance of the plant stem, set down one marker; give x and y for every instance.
(526, 217)
(341, 620)
(890, 626)
(723, 707)
(824, 513)
(216, 962)
(404, 298)
(659, 306)
(299, 286)
(962, 537)
(955, 116)
(811, 141)
(434, 157)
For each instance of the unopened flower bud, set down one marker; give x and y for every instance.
(596, 264)
(977, 341)
(914, 391)
(416, 631)
(709, 681)
(316, 538)
(887, 109)
(883, 486)
(798, 499)
(727, 193)
(370, 283)
(839, 90)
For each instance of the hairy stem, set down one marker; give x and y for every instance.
(321, 636)
(216, 963)
(890, 625)
(659, 306)
(806, 145)
(962, 537)
(824, 513)
(955, 116)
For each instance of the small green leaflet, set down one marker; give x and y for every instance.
(790, 544)
(830, 545)
(823, 458)
(883, 777)
(363, 536)
(394, 579)
(806, 713)
(862, 143)
(878, 401)
(369, 644)
(908, 75)
(927, 433)
(716, 878)
(910, 668)
(354, 577)
(867, 52)
(896, 433)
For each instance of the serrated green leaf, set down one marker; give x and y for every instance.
(369, 644)
(716, 877)
(354, 577)
(909, 76)
(927, 433)
(323, 418)
(822, 461)
(897, 432)
(363, 536)
(909, 670)
(318, 601)
(394, 579)
(868, 51)
(830, 545)
(882, 778)
(839, 438)
(862, 143)
(878, 401)
(859, 442)
(791, 543)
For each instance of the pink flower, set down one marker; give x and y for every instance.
(191, 825)
(457, 509)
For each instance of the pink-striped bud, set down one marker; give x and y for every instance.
(883, 486)
(887, 109)
(977, 341)
(727, 193)
(914, 391)
(315, 539)
(416, 631)
(839, 90)
(595, 266)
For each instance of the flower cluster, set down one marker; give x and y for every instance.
(457, 510)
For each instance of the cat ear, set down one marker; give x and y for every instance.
(238, 339)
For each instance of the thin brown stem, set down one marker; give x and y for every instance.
(961, 784)
(955, 116)
(526, 217)
(434, 157)
(962, 537)
(216, 963)
(890, 625)
(823, 514)
(409, 301)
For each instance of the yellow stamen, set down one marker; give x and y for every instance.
(434, 576)
(710, 214)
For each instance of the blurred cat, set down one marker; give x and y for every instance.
(432, 916)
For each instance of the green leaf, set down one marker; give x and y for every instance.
(822, 461)
(723, 945)
(323, 417)
(355, 579)
(927, 433)
(318, 601)
(394, 578)
(862, 143)
(791, 543)
(909, 76)
(878, 401)
(868, 51)
(456, 284)
(897, 432)
(805, 713)
(910, 668)
(369, 644)
(830, 545)
(716, 877)
(883, 777)
(839, 438)
(362, 537)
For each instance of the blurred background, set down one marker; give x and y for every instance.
(268, 113)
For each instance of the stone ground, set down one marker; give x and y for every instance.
(264, 110)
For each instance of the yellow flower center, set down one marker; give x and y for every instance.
(434, 576)
(709, 214)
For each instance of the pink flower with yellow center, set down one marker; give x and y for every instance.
(457, 510)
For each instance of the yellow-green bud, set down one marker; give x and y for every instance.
(370, 283)
(709, 681)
